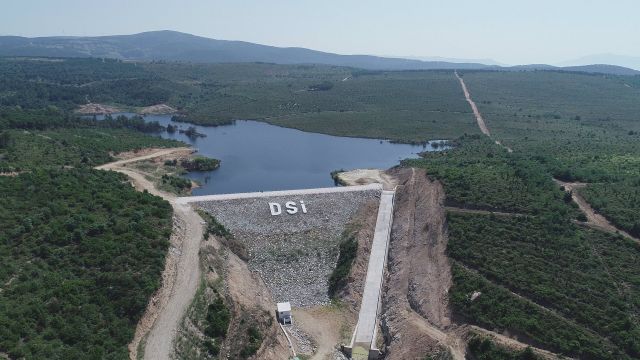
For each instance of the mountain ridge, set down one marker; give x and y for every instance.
(168, 45)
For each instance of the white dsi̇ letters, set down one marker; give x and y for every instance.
(291, 208)
(275, 208)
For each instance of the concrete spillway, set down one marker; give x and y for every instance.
(363, 341)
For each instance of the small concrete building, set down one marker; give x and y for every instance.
(284, 313)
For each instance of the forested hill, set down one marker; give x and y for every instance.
(176, 46)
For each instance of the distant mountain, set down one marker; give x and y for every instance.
(632, 62)
(489, 62)
(602, 69)
(176, 46)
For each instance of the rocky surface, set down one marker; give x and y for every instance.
(303, 342)
(294, 254)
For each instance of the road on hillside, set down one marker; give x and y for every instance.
(181, 275)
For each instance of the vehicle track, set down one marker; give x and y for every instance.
(594, 220)
(476, 112)
(181, 275)
(481, 123)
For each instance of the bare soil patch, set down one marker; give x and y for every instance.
(251, 297)
(327, 326)
(156, 154)
(159, 109)
(368, 176)
(96, 109)
(365, 222)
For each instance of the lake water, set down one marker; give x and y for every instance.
(260, 157)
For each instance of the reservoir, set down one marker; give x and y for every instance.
(257, 156)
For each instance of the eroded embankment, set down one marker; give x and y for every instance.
(227, 277)
(416, 318)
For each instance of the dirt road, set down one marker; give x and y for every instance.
(594, 219)
(146, 156)
(516, 345)
(483, 212)
(476, 112)
(481, 124)
(181, 275)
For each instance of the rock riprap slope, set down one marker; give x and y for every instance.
(293, 253)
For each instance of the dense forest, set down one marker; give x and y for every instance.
(81, 250)
(81, 254)
(67, 83)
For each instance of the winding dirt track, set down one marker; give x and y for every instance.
(594, 220)
(181, 275)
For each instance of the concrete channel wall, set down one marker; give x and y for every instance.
(363, 341)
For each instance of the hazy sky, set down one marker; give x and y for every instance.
(509, 31)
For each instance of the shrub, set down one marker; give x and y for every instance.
(218, 318)
(252, 346)
(212, 347)
(348, 251)
(323, 86)
(200, 163)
